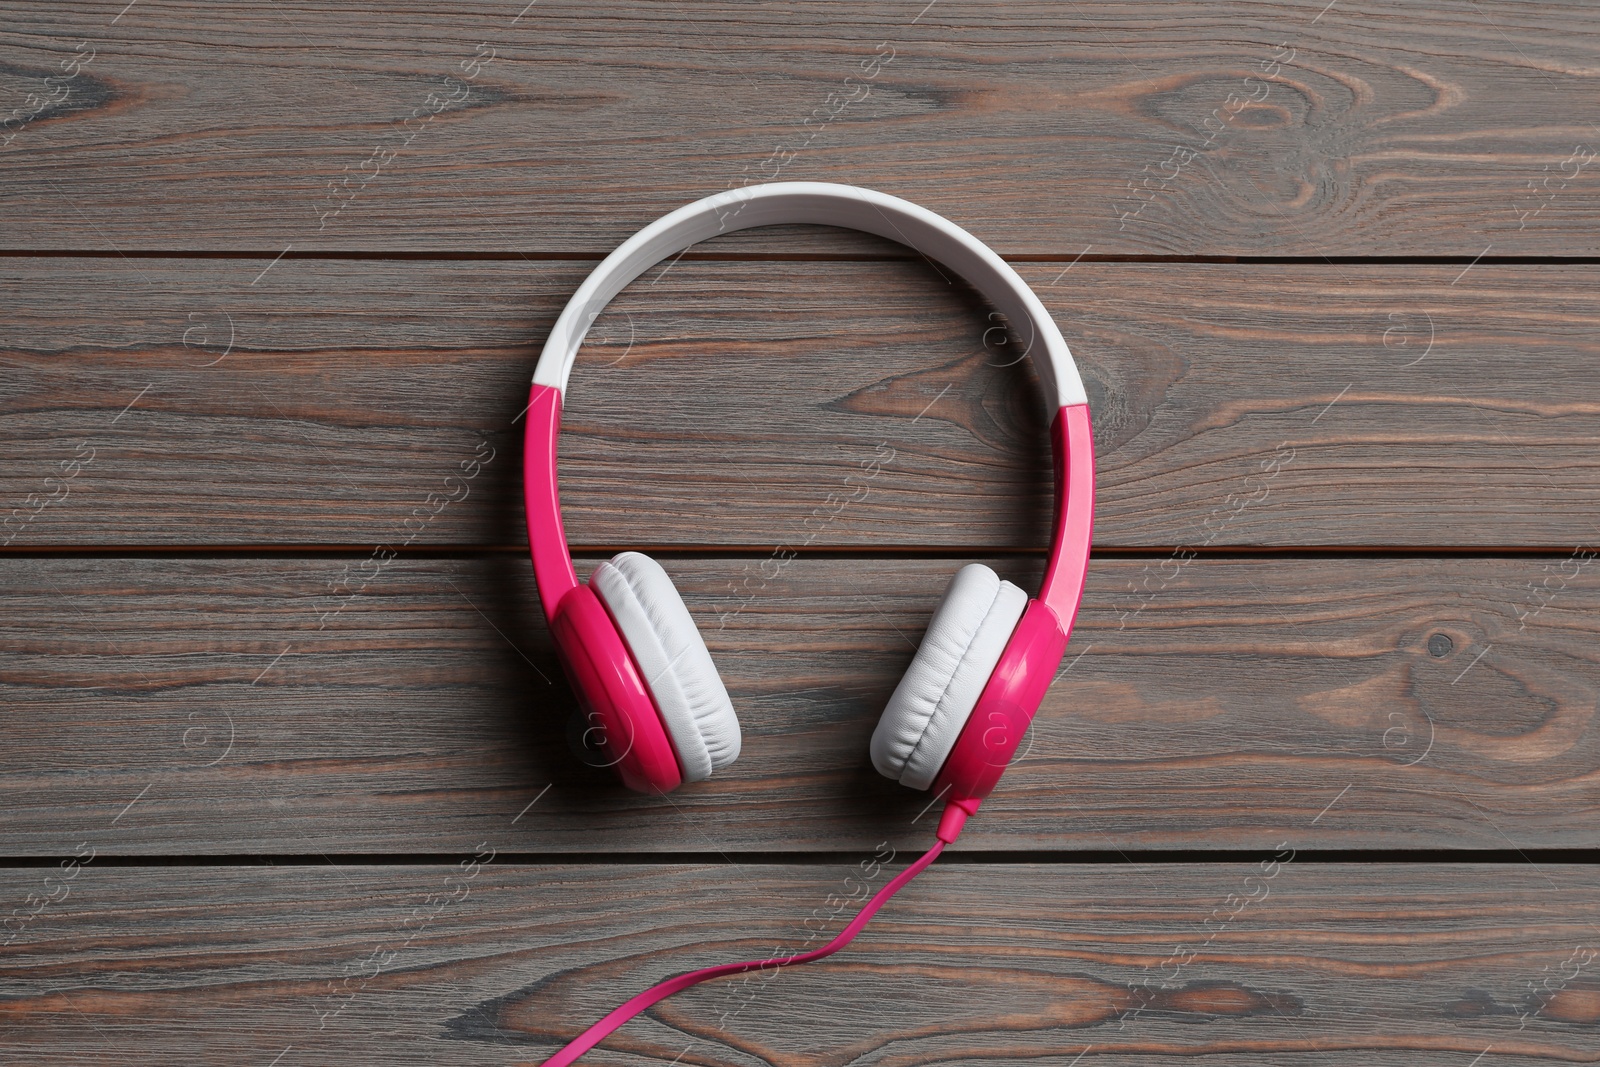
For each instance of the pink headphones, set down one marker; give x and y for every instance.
(632, 653)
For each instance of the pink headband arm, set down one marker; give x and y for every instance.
(1072, 446)
(553, 572)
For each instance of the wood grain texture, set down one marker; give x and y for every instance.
(1278, 128)
(230, 706)
(1323, 964)
(275, 278)
(737, 403)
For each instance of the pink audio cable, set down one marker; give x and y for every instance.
(955, 814)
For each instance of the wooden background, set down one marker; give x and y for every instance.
(1319, 782)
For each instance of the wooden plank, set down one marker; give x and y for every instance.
(1280, 128)
(227, 706)
(1382, 964)
(324, 400)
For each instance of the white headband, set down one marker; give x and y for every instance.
(826, 204)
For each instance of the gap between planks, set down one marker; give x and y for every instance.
(734, 552)
(1058, 857)
(358, 255)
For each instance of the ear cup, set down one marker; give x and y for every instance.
(656, 625)
(965, 638)
(619, 713)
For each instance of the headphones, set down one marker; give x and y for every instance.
(632, 653)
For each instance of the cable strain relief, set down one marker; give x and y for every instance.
(954, 818)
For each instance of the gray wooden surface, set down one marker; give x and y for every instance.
(1409, 404)
(1280, 127)
(1317, 784)
(1211, 710)
(1281, 961)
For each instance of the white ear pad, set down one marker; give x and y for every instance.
(965, 638)
(677, 667)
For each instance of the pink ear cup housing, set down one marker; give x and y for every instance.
(1000, 720)
(613, 696)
